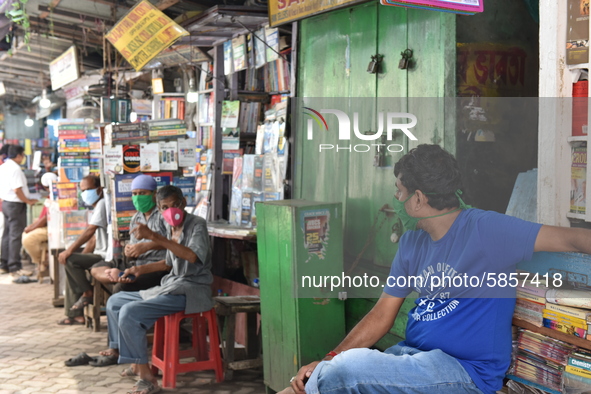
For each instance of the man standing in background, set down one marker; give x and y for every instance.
(15, 197)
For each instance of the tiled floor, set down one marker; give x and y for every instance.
(33, 349)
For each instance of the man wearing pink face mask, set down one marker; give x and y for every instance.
(185, 288)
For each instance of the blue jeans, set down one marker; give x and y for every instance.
(400, 369)
(129, 316)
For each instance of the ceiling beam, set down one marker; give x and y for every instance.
(21, 73)
(164, 4)
(75, 14)
(25, 66)
(67, 34)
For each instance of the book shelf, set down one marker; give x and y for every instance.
(573, 340)
(169, 106)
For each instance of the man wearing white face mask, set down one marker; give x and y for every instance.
(78, 288)
(15, 196)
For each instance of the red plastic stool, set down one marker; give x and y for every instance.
(166, 354)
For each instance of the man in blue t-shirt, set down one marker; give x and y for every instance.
(458, 335)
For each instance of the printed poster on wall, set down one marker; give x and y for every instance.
(143, 33)
(283, 11)
(577, 32)
(315, 225)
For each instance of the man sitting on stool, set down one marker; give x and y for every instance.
(185, 288)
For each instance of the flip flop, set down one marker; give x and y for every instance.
(144, 387)
(103, 361)
(128, 373)
(81, 359)
(69, 321)
(81, 303)
(24, 279)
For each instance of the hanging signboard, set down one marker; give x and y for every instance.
(64, 69)
(283, 11)
(466, 7)
(143, 33)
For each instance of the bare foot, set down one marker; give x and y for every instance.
(109, 352)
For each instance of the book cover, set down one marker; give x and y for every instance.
(228, 64)
(237, 173)
(562, 317)
(577, 371)
(113, 159)
(67, 193)
(228, 160)
(150, 157)
(230, 113)
(187, 186)
(578, 192)
(272, 47)
(257, 183)
(531, 297)
(162, 178)
(259, 48)
(131, 159)
(168, 155)
(529, 288)
(122, 197)
(246, 209)
(239, 53)
(236, 207)
(565, 328)
(187, 157)
(248, 172)
(256, 197)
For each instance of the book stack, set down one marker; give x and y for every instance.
(576, 377)
(73, 150)
(277, 76)
(566, 319)
(129, 133)
(96, 152)
(250, 116)
(531, 300)
(164, 129)
(540, 359)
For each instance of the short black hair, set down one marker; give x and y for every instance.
(94, 179)
(4, 149)
(169, 191)
(433, 171)
(15, 150)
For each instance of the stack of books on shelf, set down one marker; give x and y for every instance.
(96, 151)
(531, 300)
(568, 320)
(540, 359)
(576, 377)
(129, 133)
(164, 129)
(206, 108)
(277, 77)
(74, 150)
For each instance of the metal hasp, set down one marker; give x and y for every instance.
(297, 239)
(374, 65)
(405, 62)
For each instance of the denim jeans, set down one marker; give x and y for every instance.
(129, 316)
(400, 369)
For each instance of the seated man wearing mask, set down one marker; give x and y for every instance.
(185, 288)
(78, 288)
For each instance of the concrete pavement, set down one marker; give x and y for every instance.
(33, 349)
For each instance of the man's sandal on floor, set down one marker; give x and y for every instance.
(144, 387)
(81, 303)
(103, 361)
(81, 359)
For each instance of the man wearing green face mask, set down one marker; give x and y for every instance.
(143, 189)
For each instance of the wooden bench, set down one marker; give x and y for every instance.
(92, 312)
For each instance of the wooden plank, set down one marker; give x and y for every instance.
(52, 4)
(164, 4)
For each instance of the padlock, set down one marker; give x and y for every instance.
(374, 65)
(403, 64)
(405, 61)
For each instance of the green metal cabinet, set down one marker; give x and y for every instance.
(298, 238)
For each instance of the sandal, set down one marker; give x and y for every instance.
(81, 303)
(144, 387)
(24, 279)
(69, 321)
(81, 359)
(128, 373)
(103, 361)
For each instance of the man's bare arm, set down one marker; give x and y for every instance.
(563, 239)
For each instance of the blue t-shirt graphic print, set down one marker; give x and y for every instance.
(458, 311)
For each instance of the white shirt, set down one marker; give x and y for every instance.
(12, 177)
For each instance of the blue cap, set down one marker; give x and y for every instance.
(145, 182)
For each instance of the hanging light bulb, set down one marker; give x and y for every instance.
(44, 102)
(29, 122)
(192, 95)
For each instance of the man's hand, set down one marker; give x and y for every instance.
(130, 271)
(135, 250)
(113, 274)
(27, 229)
(32, 202)
(64, 256)
(141, 231)
(303, 375)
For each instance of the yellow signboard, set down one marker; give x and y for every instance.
(143, 33)
(283, 11)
